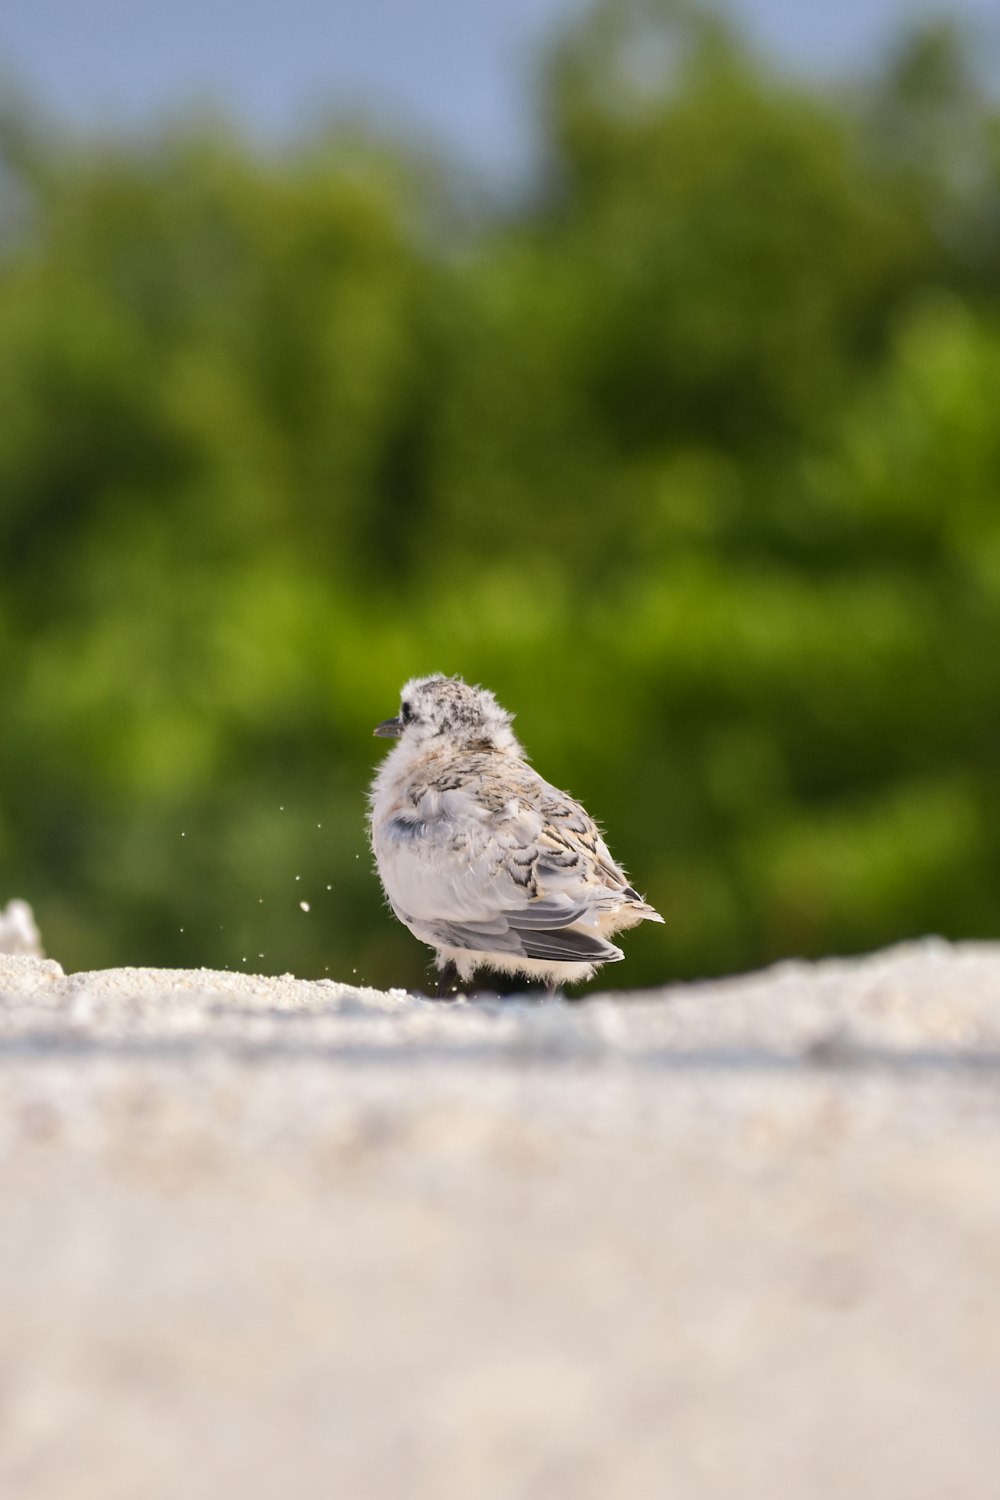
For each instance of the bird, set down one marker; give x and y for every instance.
(483, 859)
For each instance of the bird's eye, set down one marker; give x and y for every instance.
(406, 713)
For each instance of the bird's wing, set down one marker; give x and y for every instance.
(505, 863)
(566, 945)
(569, 854)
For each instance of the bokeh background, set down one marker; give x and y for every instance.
(674, 417)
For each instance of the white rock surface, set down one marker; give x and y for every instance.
(18, 933)
(263, 1237)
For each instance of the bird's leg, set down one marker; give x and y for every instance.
(447, 985)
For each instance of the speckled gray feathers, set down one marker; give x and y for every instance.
(483, 859)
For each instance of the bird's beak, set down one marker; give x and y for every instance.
(389, 729)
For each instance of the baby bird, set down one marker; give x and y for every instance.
(480, 857)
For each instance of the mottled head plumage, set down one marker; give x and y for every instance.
(450, 710)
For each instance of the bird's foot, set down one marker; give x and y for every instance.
(447, 985)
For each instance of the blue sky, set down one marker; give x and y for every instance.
(454, 71)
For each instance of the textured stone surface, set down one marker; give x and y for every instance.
(265, 1237)
(18, 932)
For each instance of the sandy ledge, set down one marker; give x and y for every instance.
(263, 1236)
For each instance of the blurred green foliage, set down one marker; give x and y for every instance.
(692, 454)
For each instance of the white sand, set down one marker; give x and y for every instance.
(262, 1237)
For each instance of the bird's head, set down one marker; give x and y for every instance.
(446, 711)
